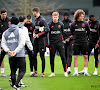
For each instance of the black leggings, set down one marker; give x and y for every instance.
(68, 53)
(30, 58)
(90, 47)
(61, 50)
(42, 58)
(2, 55)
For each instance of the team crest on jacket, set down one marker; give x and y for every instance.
(38, 22)
(95, 26)
(59, 26)
(1, 25)
(31, 27)
(83, 25)
(52, 26)
(70, 24)
(76, 25)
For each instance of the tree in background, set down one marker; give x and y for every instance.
(25, 6)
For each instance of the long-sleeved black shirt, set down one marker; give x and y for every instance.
(80, 31)
(56, 31)
(66, 31)
(30, 28)
(94, 32)
(40, 22)
(4, 24)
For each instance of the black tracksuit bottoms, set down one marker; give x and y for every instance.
(17, 63)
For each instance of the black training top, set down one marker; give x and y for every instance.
(41, 22)
(94, 31)
(30, 28)
(66, 32)
(80, 31)
(56, 30)
(4, 24)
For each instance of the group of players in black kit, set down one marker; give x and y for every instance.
(67, 37)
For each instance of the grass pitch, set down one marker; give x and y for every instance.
(59, 82)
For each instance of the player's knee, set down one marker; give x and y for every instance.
(85, 57)
(76, 57)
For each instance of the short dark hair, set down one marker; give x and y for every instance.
(29, 17)
(14, 20)
(3, 10)
(66, 13)
(36, 9)
(22, 18)
(91, 15)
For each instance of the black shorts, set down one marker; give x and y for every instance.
(2, 55)
(80, 48)
(40, 45)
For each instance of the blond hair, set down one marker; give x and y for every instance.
(78, 13)
(55, 14)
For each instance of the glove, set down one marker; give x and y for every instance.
(41, 29)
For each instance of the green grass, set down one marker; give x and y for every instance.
(55, 83)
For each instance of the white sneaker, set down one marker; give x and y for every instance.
(95, 73)
(15, 88)
(52, 75)
(68, 70)
(10, 81)
(81, 72)
(21, 82)
(22, 85)
(86, 74)
(74, 74)
(65, 74)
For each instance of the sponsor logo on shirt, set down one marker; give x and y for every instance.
(37, 27)
(55, 32)
(93, 30)
(11, 35)
(12, 41)
(67, 30)
(80, 29)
